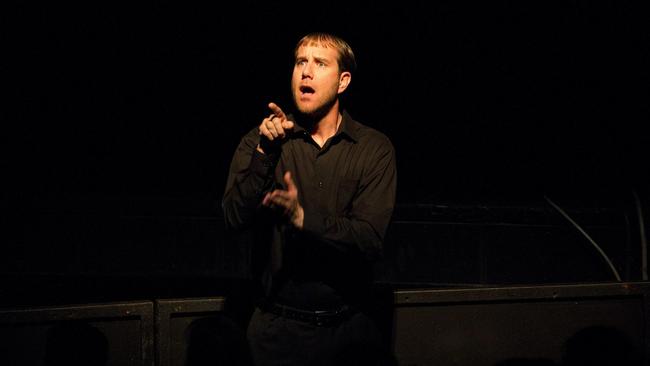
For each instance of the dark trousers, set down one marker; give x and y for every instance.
(275, 340)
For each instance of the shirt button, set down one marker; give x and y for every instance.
(320, 184)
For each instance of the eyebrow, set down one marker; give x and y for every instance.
(324, 60)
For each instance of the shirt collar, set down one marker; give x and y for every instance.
(349, 127)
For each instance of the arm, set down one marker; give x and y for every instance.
(252, 169)
(250, 176)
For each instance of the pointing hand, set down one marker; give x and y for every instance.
(273, 129)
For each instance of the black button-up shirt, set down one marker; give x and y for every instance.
(347, 190)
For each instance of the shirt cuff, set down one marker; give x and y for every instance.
(262, 164)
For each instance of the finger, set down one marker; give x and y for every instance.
(278, 193)
(272, 127)
(277, 111)
(266, 127)
(265, 131)
(272, 199)
(291, 186)
(281, 193)
(277, 125)
(280, 201)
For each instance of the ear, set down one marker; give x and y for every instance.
(344, 80)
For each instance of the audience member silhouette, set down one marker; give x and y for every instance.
(527, 362)
(216, 340)
(75, 343)
(601, 346)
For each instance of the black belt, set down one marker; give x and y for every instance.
(320, 318)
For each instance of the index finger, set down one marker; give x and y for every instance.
(277, 111)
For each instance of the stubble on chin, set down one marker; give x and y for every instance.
(313, 111)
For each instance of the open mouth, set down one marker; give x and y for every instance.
(307, 90)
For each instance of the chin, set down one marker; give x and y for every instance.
(313, 110)
(306, 109)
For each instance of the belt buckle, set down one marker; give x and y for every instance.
(319, 320)
(316, 317)
(323, 318)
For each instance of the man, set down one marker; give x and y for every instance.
(322, 186)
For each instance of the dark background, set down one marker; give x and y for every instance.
(120, 121)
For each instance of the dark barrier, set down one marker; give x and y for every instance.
(198, 332)
(111, 334)
(604, 324)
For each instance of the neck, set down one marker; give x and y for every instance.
(327, 126)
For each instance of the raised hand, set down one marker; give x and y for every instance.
(287, 200)
(273, 129)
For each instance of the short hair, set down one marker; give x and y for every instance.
(346, 59)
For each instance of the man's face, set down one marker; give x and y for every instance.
(316, 80)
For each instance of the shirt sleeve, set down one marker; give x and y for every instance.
(251, 175)
(364, 226)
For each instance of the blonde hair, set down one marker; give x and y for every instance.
(346, 59)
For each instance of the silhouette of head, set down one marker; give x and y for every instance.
(75, 343)
(216, 340)
(601, 345)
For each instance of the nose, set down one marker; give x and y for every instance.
(307, 70)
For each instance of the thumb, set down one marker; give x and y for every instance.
(288, 180)
(287, 124)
